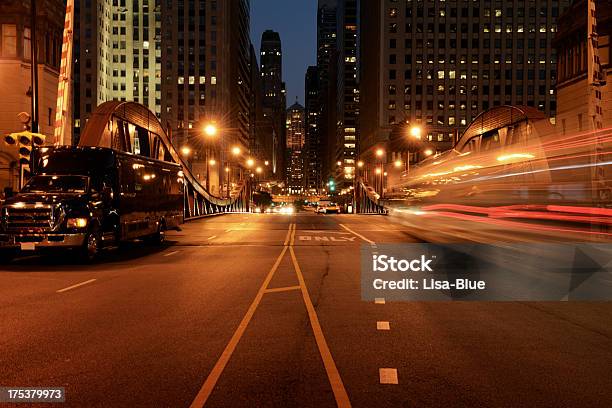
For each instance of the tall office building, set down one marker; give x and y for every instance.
(575, 94)
(347, 92)
(117, 49)
(274, 102)
(205, 71)
(15, 73)
(312, 128)
(296, 138)
(327, 68)
(439, 64)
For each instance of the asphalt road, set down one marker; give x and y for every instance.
(265, 310)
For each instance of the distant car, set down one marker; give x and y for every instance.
(328, 208)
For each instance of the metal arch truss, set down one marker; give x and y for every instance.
(197, 205)
(113, 124)
(366, 202)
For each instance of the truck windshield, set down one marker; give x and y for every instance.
(56, 184)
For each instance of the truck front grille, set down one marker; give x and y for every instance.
(29, 219)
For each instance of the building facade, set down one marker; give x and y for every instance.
(347, 92)
(313, 145)
(437, 65)
(274, 98)
(574, 91)
(206, 80)
(296, 137)
(15, 73)
(117, 47)
(327, 64)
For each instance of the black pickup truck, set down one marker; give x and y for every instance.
(89, 198)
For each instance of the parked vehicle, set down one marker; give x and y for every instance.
(90, 198)
(328, 208)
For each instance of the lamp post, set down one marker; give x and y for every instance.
(210, 131)
(379, 154)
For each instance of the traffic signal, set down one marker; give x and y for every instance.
(26, 141)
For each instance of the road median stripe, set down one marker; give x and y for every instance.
(340, 394)
(217, 370)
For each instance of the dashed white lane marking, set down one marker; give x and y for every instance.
(213, 237)
(75, 286)
(171, 253)
(383, 326)
(379, 301)
(388, 375)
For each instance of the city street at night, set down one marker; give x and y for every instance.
(266, 310)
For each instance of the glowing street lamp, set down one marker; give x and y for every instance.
(235, 150)
(380, 152)
(258, 170)
(339, 163)
(415, 132)
(360, 164)
(378, 171)
(428, 152)
(266, 162)
(250, 162)
(212, 162)
(398, 163)
(210, 130)
(227, 169)
(185, 150)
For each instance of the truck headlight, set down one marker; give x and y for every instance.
(76, 222)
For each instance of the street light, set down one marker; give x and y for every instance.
(235, 150)
(398, 163)
(428, 152)
(360, 164)
(266, 162)
(378, 170)
(185, 150)
(415, 132)
(210, 130)
(380, 152)
(339, 163)
(258, 170)
(212, 162)
(250, 162)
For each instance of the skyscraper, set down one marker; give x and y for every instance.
(439, 64)
(205, 71)
(312, 128)
(117, 48)
(274, 103)
(295, 149)
(347, 92)
(327, 68)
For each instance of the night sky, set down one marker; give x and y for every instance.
(296, 21)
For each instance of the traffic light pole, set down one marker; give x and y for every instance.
(34, 68)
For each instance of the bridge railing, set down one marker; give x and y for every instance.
(367, 201)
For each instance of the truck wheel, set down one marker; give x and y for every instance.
(158, 238)
(7, 256)
(91, 246)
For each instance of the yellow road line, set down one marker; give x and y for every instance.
(214, 375)
(285, 289)
(342, 399)
(357, 234)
